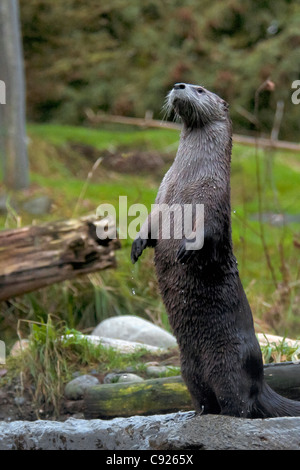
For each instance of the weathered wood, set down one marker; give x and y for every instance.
(284, 378)
(170, 394)
(39, 255)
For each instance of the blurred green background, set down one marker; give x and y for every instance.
(122, 57)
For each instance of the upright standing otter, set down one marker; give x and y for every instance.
(221, 360)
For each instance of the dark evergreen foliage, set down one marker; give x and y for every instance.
(122, 56)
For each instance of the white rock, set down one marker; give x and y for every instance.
(133, 328)
(159, 371)
(265, 339)
(125, 347)
(120, 345)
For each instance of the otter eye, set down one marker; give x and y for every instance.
(200, 90)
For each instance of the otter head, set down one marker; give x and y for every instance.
(195, 105)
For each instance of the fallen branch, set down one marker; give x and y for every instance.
(39, 255)
(152, 123)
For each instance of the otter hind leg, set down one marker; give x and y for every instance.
(235, 395)
(205, 401)
(202, 396)
(238, 409)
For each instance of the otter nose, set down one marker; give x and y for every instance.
(179, 86)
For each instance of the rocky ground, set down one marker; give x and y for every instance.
(16, 399)
(15, 406)
(171, 432)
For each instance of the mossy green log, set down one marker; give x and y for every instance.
(169, 394)
(165, 395)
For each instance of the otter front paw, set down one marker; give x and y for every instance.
(137, 248)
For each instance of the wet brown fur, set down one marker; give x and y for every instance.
(221, 360)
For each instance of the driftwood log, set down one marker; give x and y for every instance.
(37, 256)
(170, 394)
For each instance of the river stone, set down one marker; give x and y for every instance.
(172, 432)
(159, 371)
(123, 377)
(133, 328)
(75, 389)
(111, 378)
(127, 377)
(121, 345)
(124, 347)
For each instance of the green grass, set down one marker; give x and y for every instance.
(106, 137)
(60, 172)
(280, 352)
(54, 353)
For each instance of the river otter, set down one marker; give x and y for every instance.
(221, 361)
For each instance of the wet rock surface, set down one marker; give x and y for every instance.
(176, 431)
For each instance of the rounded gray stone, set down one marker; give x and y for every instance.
(123, 377)
(38, 206)
(19, 401)
(127, 377)
(75, 389)
(159, 371)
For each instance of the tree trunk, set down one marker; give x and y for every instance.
(12, 113)
(170, 394)
(36, 256)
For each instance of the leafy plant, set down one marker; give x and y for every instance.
(280, 352)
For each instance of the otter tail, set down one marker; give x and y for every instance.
(271, 405)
